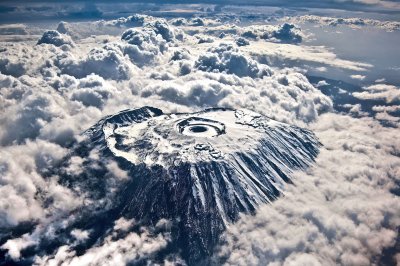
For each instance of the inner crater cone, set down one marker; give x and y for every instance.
(198, 129)
(199, 170)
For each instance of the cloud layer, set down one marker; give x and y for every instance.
(56, 86)
(333, 215)
(352, 22)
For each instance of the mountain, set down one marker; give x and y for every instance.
(197, 170)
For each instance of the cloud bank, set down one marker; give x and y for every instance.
(389, 26)
(333, 215)
(343, 210)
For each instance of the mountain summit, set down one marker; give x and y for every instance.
(197, 170)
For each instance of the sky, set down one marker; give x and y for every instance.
(331, 67)
(40, 11)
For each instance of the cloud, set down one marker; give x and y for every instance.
(355, 109)
(289, 96)
(57, 96)
(15, 246)
(22, 180)
(242, 41)
(146, 39)
(35, 112)
(135, 20)
(194, 22)
(56, 38)
(113, 250)
(353, 22)
(322, 83)
(9, 65)
(383, 108)
(80, 235)
(197, 22)
(359, 77)
(286, 33)
(204, 39)
(387, 93)
(226, 58)
(92, 91)
(387, 118)
(146, 43)
(13, 29)
(331, 215)
(123, 224)
(198, 93)
(276, 53)
(108, 62)
(339, 211)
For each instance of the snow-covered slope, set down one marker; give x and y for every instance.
(198, 170)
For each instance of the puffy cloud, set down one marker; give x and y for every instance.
(286, 33)
(322, 83)
(135, 20)
(143, 37)
(92, 91)
(18, 59)
(178, 21)
(10, 65)
(27, 119)
(227, 58)
(80, 235)
(55, 38)
(194, 93)
(107, 61)
(204, 39)
(11, 90)
(219, 31)
(242, 41)
(197, 22)
(36, 110)
(149, 41)
(123, 224)
(185, 68)
(180, 54)
(81, 30)
(161, 27)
